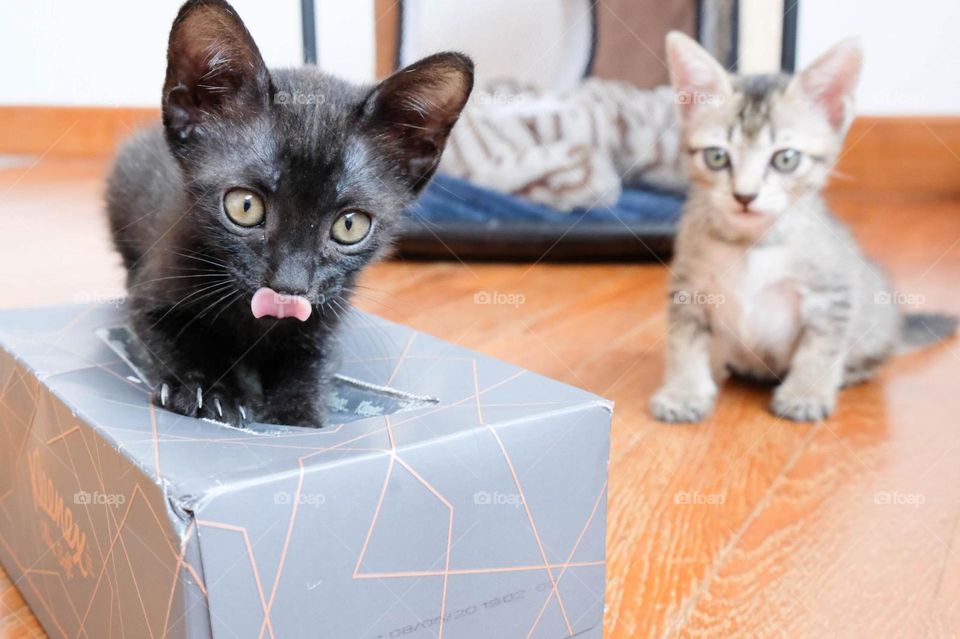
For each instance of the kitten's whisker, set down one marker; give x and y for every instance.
(342, 304)
(206, 290)
(333, 309)
(212, 305)
(377, 291)
(207, 259)
(179, 267)
(840, 175)
(230, 302)
(177, 277)
(407, 125)
(327, 304)
(196, 252)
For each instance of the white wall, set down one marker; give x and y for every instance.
(912, 50)
(539, 42)
(761, 36)
(346, 41)
(113, 52)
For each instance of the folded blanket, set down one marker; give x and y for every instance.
(569, 150)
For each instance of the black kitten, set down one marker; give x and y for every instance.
(245, 219)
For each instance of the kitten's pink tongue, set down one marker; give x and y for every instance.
(268, 303)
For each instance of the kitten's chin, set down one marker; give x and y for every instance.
(749, 216)
(746, 224)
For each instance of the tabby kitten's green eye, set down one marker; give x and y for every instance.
(786, 161)
(351, 227)
(243, 207)
(716, 158)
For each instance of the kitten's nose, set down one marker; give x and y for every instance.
(745, 199)
(290, 277)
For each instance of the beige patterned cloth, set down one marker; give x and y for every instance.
(571, 149)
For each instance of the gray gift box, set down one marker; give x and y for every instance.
(453, 496)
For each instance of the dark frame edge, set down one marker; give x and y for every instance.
(733, 64)
(788, 47)
(594, 37)
(308, 31)
(398, 48)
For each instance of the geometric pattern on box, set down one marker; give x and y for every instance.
(481, 514)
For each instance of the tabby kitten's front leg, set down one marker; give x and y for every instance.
(809, 392)
(689, 389)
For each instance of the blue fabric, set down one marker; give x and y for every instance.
(449, 200)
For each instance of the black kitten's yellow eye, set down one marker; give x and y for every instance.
(351, 227)
(716, 158)
(786, 161)
(244, 207)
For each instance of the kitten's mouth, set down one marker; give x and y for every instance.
(267, 302)
(748, 212)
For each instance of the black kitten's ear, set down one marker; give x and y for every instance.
(214, 70)
(414, 109)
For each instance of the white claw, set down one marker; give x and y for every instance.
(243, 412)
(164, 394)
(199, 398)
(216, 403)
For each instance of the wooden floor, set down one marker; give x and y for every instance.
(743, 526)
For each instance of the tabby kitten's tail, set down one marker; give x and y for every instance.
(924, 329)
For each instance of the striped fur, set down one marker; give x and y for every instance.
(568, 150)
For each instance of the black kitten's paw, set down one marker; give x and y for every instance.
(219, 403)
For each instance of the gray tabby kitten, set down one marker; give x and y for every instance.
(766, 283)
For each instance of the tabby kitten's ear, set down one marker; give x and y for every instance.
(830, 81)
(413, 110)
(214, 70)
(698, 79)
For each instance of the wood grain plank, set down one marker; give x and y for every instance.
(61, 131)
(896, 154)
